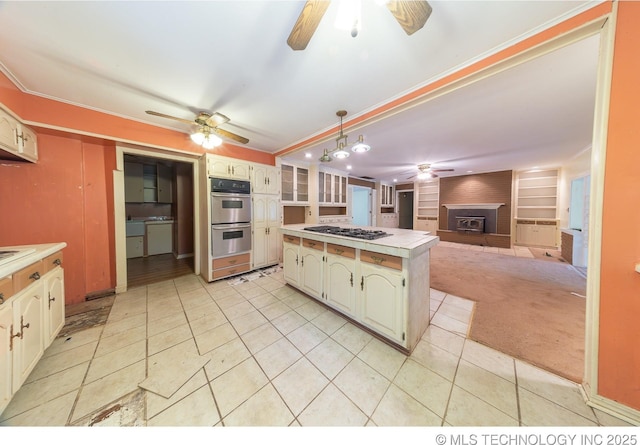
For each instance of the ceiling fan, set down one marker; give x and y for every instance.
(410, 14)
(208, 123)
(425, 171)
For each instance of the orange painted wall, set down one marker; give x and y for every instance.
(619, 350)
(64, 198)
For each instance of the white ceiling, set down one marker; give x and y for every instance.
(179, 58)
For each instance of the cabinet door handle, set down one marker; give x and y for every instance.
(34, 276)
(296, 260)
(302, 262)
(22, 326)
(12, 336)
(351, 280)
(362, 284)
(51, 299)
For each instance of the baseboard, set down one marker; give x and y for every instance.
(615, 409)
(99, 294)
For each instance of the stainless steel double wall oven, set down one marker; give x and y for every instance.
(230, 217)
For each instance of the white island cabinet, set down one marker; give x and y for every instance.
(382, 285)
(31, 310)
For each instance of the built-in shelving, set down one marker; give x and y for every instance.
(536, 206)
(426, 205)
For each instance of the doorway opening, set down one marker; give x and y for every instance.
(361, 198)
(405, 209)
(159, 212)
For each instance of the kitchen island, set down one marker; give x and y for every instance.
(381, 284)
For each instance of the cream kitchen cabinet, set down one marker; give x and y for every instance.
(291, 259)
(54, 310)
(340, 280)
(265, 179)
(332, 188)
(386, 195)
(31, 314)
(265, 223)
(17, 141)
(224, 167)
(311, 267)
(541, 233)
(381, 296)
(6, 331)
(294, 184)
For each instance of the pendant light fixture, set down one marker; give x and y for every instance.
(340, 151)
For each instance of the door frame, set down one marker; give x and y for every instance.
(120, 211)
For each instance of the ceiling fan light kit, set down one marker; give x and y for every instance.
(208, 134)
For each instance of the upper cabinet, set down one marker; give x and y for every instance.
(17, 142)
(147, 183)
(386, 195)
(223, 167)
(332, 188)
(265, 179)
(295, 184)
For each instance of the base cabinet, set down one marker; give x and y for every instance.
(6, 365)
(381, 300)
(311, 270)
(537, 233)
(340, 282)
(30, 319)
(369, 288)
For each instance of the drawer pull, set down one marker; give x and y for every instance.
(34, 276)
(233, 261)
(1, 298)
(339, 251)
(312, 244)
(377, 259)
(57, 262)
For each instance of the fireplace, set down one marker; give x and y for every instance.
(473, 218)
(470, 224)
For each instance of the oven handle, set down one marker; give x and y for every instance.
(230, 226)
(230, 195)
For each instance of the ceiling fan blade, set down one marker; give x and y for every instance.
(229, 135)
(217, 119)
(411, 15)
(307, 23)
(442, 170)
(155, 113)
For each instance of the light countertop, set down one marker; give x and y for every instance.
(404, 243)
(28, 254)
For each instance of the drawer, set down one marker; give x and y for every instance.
(228, 271)
(291, 239)
(52, 261)
(381, 259)
(546, 223)
(525, 221)
(229, 261)
(347, 252)
(6, 289)
(312, 244)
(24, 277)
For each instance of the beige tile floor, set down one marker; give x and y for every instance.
(257, 352)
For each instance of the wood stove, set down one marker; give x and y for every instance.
(470, 224)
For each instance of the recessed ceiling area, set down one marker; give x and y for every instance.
(183, 58)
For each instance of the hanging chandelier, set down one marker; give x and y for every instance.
(340, 151)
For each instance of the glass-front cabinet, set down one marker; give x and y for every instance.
(332, 188)
(295, 184)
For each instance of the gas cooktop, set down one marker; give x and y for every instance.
(351, 233)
